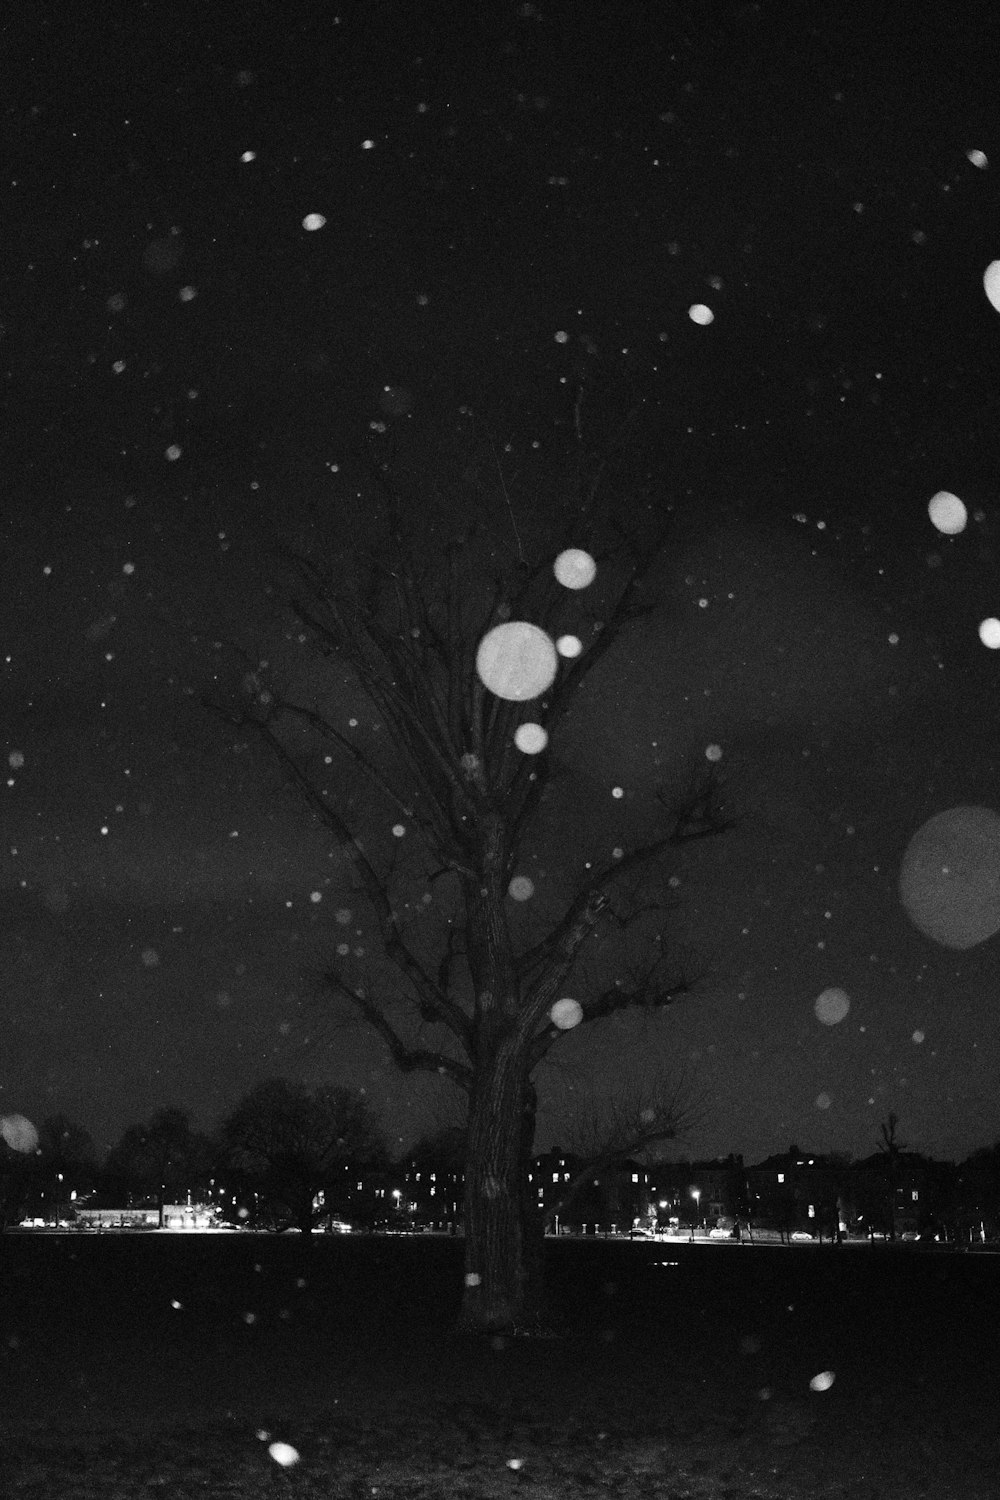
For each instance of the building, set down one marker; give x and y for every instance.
(902, 1192)
(117, 1218)
(698, 1193)
(188, 1216)
(797, 1191)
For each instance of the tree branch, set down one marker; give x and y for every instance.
(625, 1127)
(450, 1014)
(407, 1059)
(644, 993)
(696, 817)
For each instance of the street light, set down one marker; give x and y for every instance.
(696, 1195)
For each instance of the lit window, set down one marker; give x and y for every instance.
(555, 1176)
(781, 1176)
(635, 1177)
(915, 1195)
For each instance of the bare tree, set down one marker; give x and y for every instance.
(474, 1004)
(159, 1156)
(627, 1125)
(891, 1149)
(16, 1179)
(295, 1144)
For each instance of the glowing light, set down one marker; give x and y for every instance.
(978, 159)
(949, 880)
(521, 888)
(991, 282)
(530, 738)
(284, 1454)
(569, 645)
(832, 1006)
(566, 1014)
(700, 314)
(822, 1381)
(313, 221)
(989, 632)
(947, 513)
(823, 1101)
(575, 569)
(516, 661)
(713, 752)
(19, 1133)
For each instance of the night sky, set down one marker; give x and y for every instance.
(508, 193)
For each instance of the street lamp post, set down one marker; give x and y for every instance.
(696, 1195)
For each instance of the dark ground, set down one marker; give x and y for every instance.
(683, 1371)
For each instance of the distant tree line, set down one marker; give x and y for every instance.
(290, 1157)
(280, 1149)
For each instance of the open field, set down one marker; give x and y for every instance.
(159, 1365)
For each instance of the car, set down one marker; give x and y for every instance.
(801, 1234)
(720, 1234)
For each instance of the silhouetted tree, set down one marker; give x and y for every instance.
(397, 624)
(441, 1150)
(891, 1149)
(294, 1144)
(16, 1178)
(65, 1161)
(620, 1128)
(160, 1158)
(978, 1188)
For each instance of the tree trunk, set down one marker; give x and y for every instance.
(494, 1295)
(532, 1221)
